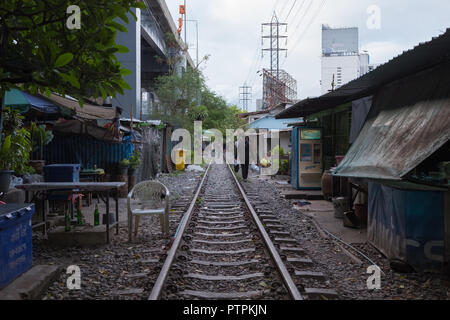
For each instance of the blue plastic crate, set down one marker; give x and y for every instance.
(62, 173)
(16, 250)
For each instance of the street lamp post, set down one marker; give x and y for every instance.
(196, 26)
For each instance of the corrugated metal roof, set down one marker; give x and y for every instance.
(422, 57)
(271, 123)
(408, 122)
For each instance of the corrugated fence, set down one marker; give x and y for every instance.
(85, 150)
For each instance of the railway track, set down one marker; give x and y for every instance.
(222, 249)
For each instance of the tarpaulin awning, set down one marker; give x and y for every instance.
(24, 101)
(409, 121)
(87, 112)
(270, 123)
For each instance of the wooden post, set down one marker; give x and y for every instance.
(131, 123)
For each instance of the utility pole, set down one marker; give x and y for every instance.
(185, 26)
(196, 26)
(245, 96)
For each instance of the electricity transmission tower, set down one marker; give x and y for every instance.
(245, 96)
(278, 85)
(274, 35)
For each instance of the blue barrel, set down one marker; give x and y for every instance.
(16, 250)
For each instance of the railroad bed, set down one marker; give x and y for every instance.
(223, 251)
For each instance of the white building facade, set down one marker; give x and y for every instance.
(341, 60)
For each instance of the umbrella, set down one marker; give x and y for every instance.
(23, 102)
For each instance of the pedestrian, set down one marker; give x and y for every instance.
(247, 160)
(236, 164)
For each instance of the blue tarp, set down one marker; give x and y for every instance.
(41, 104)
(407, 225)
(24, 101)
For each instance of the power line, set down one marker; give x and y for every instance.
(284, 7)
(298, 11)
(257, 58)
(322, 5)
(303, 16)
(289, 13)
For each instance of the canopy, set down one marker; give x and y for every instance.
(408, 122)
(271, 123)
(88, 112)
(24, 101)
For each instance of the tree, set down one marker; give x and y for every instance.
(38, 52)
(178, 93)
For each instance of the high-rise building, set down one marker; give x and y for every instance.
(341, 60)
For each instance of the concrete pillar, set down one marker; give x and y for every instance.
(132, 62)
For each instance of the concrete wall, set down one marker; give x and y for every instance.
(132, 62)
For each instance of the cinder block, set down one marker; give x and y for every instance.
(32, 284)
(80, 236)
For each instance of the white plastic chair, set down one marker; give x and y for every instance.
(148, 198)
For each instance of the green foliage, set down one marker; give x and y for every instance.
(284, 167)
(16, 147)
(198, 113)
(135, 159)
(124, 163)
(39, 52)
(179, 97)
(278, 150)
(178, 93)
(40, 137)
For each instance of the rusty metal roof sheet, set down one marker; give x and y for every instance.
(87, 112)
(409, 121)
(422, 57)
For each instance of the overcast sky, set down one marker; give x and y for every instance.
(230, 31)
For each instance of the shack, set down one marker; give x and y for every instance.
(401, 151)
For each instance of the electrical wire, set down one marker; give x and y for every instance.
(284, 7)
(299, 39)
(289, 13)
(303, 16)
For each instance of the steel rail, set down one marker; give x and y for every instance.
(284, 273)
(159, 284)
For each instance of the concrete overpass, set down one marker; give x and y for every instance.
(146, 40)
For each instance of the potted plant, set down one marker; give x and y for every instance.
(40, 137)
(15, 149)
(122, 168)
(135, 161)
